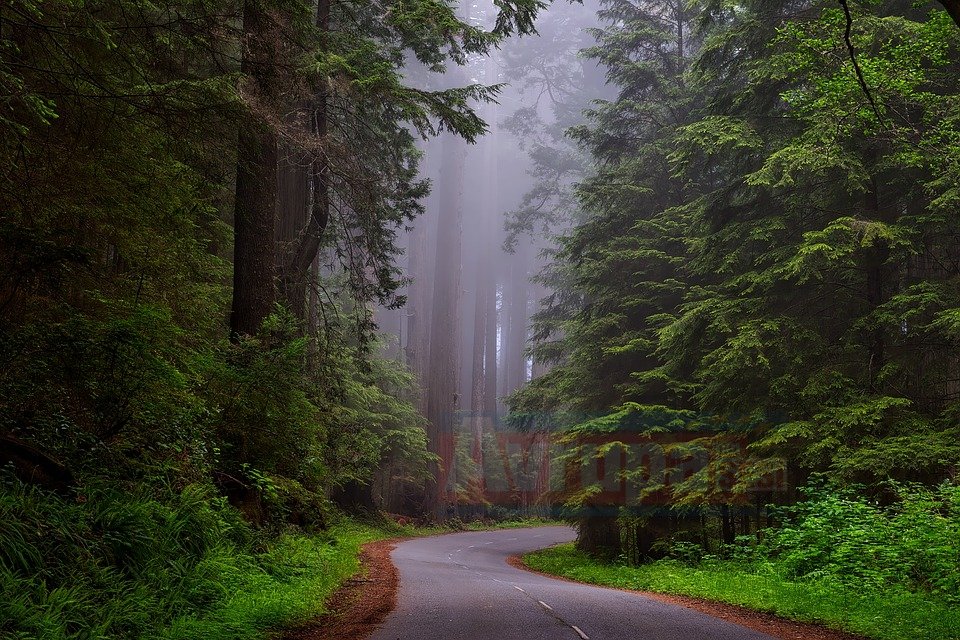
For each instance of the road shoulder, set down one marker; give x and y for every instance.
(362, 603)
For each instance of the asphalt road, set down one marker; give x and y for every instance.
(459, 586)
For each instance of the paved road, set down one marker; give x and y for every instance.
(460, 587)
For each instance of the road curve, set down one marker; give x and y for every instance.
(460, 587)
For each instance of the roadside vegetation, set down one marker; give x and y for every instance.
(180, 564)
(172, 565)
(836, 559)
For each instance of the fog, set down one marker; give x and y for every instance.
(488, 229)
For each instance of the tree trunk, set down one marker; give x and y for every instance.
(490, 352)
(256, 190)
(514, 357)
(419, 298)
(442, 394)
(478, 363)
(293, 203)
(303, 253)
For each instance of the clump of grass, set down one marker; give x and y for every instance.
(892, 614)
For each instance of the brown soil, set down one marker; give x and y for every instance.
(362, 603)
(763, 622)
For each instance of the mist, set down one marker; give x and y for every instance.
(471, 260)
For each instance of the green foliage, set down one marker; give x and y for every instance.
(756, 242)
(838, 558)
(175, 564)
(847, 539)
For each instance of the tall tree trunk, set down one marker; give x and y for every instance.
(490, 353)
(256, 190)
(416, 307)
(478, 363)
(293, 203)
(514, 358)
(442, 393)
(302, 254)
(419, 294)
(483, 374)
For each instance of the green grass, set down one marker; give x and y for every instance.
(291, 585)
(512, 524)
(175, 565)
(888, 615)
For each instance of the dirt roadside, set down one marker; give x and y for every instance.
(358, 607)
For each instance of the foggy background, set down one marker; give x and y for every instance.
(488, 229)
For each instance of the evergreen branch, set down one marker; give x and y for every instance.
(853, 59)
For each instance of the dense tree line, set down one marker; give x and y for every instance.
(151, 151)
(200, 205)
(768, 246)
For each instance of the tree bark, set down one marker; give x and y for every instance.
(293, 203)
(478, 364)
(514, 357)
(303, 253)
(442, 394)
(256, 189)
(490, 353)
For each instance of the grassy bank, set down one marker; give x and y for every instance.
(885, 615)
(163, 565)
(289, 584)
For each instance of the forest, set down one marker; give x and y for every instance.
(283, 277)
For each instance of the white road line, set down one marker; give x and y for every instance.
(545, 605)
(580, 632)
(487, 543)
(512, 538)
(518, 588)
(471, 546)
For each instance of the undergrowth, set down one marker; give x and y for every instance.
(112, 564)
(888, 570)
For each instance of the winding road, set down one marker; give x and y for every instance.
(459, 586)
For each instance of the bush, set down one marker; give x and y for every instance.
(847, 538)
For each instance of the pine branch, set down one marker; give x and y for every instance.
(853, 59)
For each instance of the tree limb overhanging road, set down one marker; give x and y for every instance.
(460, 586)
